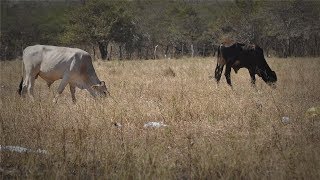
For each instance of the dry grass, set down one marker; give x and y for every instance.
(212, 132)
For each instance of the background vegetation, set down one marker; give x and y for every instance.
(155, 29)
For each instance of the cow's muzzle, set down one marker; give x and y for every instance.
(272, 85)
(107, 93)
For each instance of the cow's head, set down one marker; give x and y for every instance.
(263, 69)
(101, 89)
(268, 76)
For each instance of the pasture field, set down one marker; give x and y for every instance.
(211, 133)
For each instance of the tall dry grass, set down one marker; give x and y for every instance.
(212, 133)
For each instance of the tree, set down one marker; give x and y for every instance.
(27, 23)
(100, 22)
(90, 24)
(123, 31)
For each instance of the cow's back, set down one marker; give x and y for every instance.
(52, 62)
(52, 54)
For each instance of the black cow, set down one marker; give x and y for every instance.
(247, 56)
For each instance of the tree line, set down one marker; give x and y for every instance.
(148, 29)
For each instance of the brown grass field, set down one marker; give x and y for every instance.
(212, 133)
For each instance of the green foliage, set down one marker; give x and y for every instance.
(27, 23)
(290, 28)
(89, 23)
(99, 20)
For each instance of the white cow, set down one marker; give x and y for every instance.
(72, 65)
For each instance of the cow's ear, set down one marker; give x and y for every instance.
(102, 83)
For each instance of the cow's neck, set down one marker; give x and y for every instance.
(264, 66)
(93, 79)
(92, 76)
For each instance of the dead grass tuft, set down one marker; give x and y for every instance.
(169, 72)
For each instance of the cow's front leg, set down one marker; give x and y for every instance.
(61, 87)
(253, 78)
(72, 91)
(227, 74)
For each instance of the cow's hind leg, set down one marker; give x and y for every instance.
(61, 87)
(218, 72)
(19, 91)
(29, 84)
(253, 78)
(23, 87)
(228, 74)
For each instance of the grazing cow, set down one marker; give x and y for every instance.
(239, 56)
(51, 63)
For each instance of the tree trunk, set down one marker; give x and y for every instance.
(147, 53)
(316, 38)
(213, 51)
(15, 51)
(139, 52)
(287, 44)
(103, 49)
(120, 51)
(5, 53)
(315, 46)
(203, 50)
(110, 53)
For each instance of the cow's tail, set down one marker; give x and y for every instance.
(219, 54)
(20, 86)
(19, 91)
(218, 70)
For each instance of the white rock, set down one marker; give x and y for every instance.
(19, 149)
(155, 124)
(117, 125)
(285, 119)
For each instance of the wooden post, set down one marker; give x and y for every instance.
(192, 50)
(155, 52)
(166, 53)
(182, 49)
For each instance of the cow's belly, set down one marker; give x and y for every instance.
(51, 75)
(53, 71)
(236, 66)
